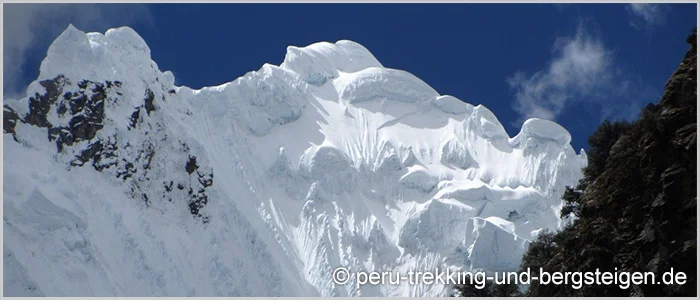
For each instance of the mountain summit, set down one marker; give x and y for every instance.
(119, 183)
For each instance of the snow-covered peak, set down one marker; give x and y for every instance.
(263, 185)
(120, 54)
(321, 61)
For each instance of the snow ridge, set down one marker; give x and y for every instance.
(119, 183)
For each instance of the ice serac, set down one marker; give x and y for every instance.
(119, 183)
(542, 130)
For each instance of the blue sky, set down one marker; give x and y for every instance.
(577, 64)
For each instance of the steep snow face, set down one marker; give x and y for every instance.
(118, 183)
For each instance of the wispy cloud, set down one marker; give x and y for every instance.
(27, 24)
(646, 15)
(581, 67)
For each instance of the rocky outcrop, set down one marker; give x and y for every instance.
(9, 120)
(82, 121)
(636, 207)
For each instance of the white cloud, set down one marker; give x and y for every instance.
(646, 15)
(582, 66)
(26, 24)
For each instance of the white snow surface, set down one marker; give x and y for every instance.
(328, 160)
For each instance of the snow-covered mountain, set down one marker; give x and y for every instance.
(119, 183)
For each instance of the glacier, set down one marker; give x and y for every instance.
(117, 182)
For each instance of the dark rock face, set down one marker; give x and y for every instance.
(80, 112)
(197, 194)
(148, 102)
(87, 114)
(191, 165)
(39, 105)
(636, 205)
(9, 120)
(133, 120)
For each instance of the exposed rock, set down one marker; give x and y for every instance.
(39, 105)
(149, 102)
(9, 120)
(133, 120)
(191, 165)
(636, 205)
(79, 114)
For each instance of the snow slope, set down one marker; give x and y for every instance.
(119, 183)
